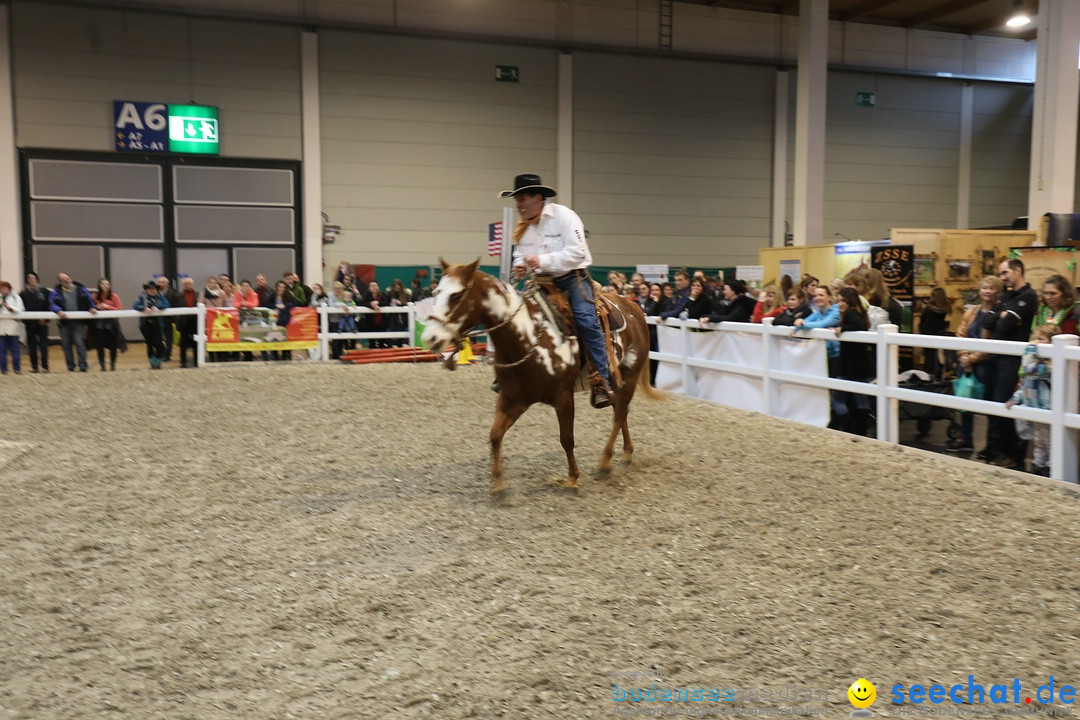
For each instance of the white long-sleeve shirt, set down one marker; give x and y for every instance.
(7, 325)
(558, 240)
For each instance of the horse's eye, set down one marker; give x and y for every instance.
(455, 297)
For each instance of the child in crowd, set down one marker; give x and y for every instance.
(1033, 390)
(347, 322)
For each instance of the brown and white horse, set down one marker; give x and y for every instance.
(533, 362)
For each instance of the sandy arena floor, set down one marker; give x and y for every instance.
(311, 541)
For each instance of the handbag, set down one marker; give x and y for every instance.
(968, 386)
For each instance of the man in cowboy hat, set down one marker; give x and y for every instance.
(550, 239)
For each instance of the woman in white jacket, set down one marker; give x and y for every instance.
(10, 303)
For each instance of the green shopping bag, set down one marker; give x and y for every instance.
(967, 385)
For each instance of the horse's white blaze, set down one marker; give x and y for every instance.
(438, 334)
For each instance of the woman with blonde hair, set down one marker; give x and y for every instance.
(971, 326)
(879, 295)
(771, 304)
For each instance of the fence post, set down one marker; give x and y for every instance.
(686, 354)
(200, 336)
(412, 327)
(888, 411)
(767, 391)
(1063, 390)
(324, 331)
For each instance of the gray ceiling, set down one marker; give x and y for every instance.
(969, 17)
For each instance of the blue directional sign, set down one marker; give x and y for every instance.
(140, 126)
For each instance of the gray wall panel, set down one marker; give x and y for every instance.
(71, 63)
(119, 222)
(70, 180)
(418, 138)
(642, 128)
(228, 224)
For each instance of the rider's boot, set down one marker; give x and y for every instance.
(602, 394)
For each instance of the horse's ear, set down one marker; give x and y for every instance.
(471, 267)
(445, 265)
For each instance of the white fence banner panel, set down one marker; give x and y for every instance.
(669, 375)
(728, 388)
(802, 403)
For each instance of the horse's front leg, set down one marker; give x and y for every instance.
(564, 410)
(506, 414)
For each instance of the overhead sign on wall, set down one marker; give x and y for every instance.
(160, 127)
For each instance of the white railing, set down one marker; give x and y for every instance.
(1063, 352)
(325, 336)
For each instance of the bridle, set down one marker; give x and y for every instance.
(486, 331)
(450, 311)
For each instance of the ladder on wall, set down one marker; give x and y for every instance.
(665, 24)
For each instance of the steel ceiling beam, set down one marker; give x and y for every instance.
(864, 8)
(940, 11)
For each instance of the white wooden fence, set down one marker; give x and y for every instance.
(1064, 354)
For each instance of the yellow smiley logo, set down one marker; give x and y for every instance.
(862, 693)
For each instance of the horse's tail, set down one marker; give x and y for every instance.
(645, 383)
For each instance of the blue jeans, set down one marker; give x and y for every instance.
(73, 343)
(9, 344)
(589, 332)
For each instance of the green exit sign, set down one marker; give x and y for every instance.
(865, 99)
(193, 129)
(507, 73)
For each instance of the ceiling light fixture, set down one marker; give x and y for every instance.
(1019, 17)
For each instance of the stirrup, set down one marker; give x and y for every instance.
(602, 395)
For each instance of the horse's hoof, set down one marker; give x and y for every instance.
(498, 488)
(603, 473)
(571, 485)
(628, 459)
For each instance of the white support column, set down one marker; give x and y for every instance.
(11, 265)
(810, 122)
(963, 183)
(564, 134)
(1053, 128)
(312, 158)
(779, 165)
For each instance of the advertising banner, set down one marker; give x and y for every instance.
(897, 264)
(256, 329)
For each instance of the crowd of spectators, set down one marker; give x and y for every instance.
(158, 331)
(1008, 309)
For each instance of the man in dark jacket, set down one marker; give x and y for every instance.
(682, 295)
(70, 296)
(36, 299)
(739, 307)
(1012, 322)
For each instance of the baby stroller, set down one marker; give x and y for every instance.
(925, 415)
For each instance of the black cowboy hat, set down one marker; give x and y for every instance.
(531, 183)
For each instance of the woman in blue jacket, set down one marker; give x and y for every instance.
(825, 315)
